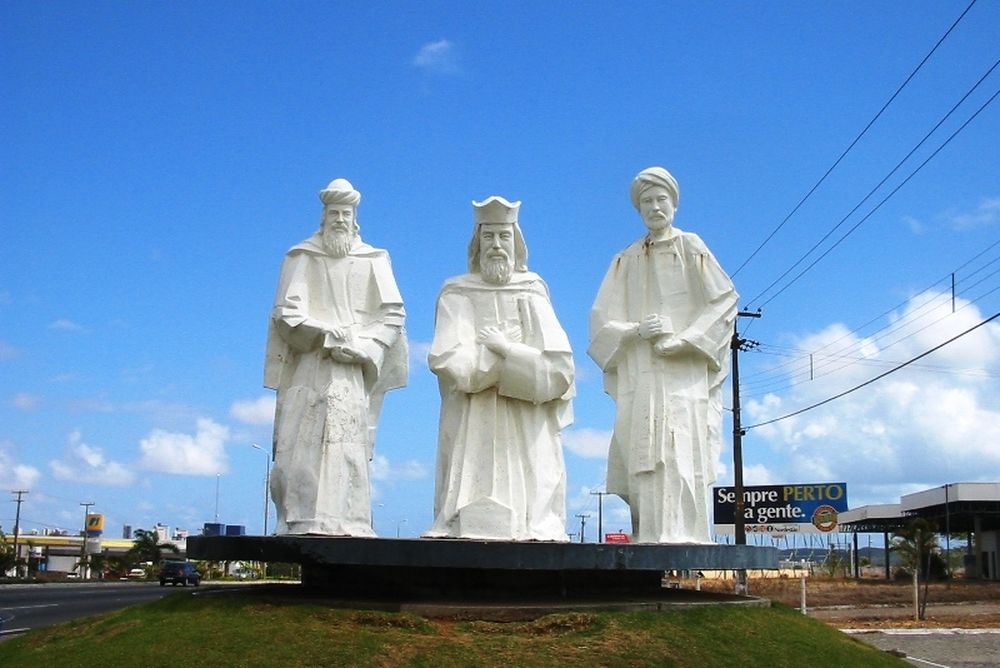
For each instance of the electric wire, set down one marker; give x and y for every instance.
(913, 333)
(927, 289)
(909, 321)
(875, 189)
(757, 381)
(872, 380)
(856, 139)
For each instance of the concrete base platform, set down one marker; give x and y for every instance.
(469, 570)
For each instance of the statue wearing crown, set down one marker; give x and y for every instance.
(505, 372)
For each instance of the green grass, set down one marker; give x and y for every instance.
(212, 631)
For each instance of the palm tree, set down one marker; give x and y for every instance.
(916, 544)
(146, 547)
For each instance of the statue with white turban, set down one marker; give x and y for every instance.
(335, 346)
(660, 329)
(505, 371)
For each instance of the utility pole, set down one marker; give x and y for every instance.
(17, 529)
(739, 344)
(600, 514)
(83, 549)
(583, 525)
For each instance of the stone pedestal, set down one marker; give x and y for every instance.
(458, 569)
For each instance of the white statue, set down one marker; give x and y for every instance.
(660, 329)
(505, 371)
(336, 344)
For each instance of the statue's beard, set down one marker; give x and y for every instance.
(338, 242)
(498, 270)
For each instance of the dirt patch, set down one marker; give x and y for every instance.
(878, 604)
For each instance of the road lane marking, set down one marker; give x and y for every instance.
(29, 607)
(929, 663)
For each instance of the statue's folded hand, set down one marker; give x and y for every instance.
(347, 354)
(670, 346)
(337, 332)
(495, 339)
(654, 325)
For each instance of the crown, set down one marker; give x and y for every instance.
(495, 210)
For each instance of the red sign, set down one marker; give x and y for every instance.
(616, 538)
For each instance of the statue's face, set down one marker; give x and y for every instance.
(338, 229)
(496, 252)
(338, 216)
(656, 206)
(496, 240)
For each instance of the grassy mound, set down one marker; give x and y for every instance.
(195, 629)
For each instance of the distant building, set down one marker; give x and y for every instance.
(162, 532)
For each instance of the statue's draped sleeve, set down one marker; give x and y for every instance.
(537, 370)
(610, 329)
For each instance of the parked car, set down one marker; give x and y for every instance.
(179, 572)
(136, 574)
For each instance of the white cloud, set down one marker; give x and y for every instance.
(184, 454)
(65, 325)
(987, 213)
(7, 351)
(585, 442)
(12, 474)
(85, 463)
(915, 225)
(385, 471)
(254, 411)
(439, 57)
(585, 370)
(25, 401)
(418, 353)
(94, 405)
(757, 474)
(935, 421)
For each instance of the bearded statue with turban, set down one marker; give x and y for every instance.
(335, 345)
(660, 329)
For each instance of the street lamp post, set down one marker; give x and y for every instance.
(218, 477)
(83, 549)
(267, 480)
(399, 524)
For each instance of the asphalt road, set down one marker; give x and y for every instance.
(940, 648)
(34, 606)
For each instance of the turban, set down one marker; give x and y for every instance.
(654, 176)
(340, 191)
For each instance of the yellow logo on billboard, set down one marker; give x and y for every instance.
(825, 518)
(95, 523)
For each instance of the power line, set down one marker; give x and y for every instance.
(878, 377)
(777, 385)
(873, 190)
(906, 322)
(856, 139)
(771, 378)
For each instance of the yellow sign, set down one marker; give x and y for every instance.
(95, 524)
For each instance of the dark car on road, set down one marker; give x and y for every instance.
(179, 573)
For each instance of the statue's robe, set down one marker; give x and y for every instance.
(666, 439)
(500, 470)
(327, 411)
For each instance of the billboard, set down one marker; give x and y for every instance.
(95, 525)
(781, 509)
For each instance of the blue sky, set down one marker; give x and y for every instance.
(159, 159)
